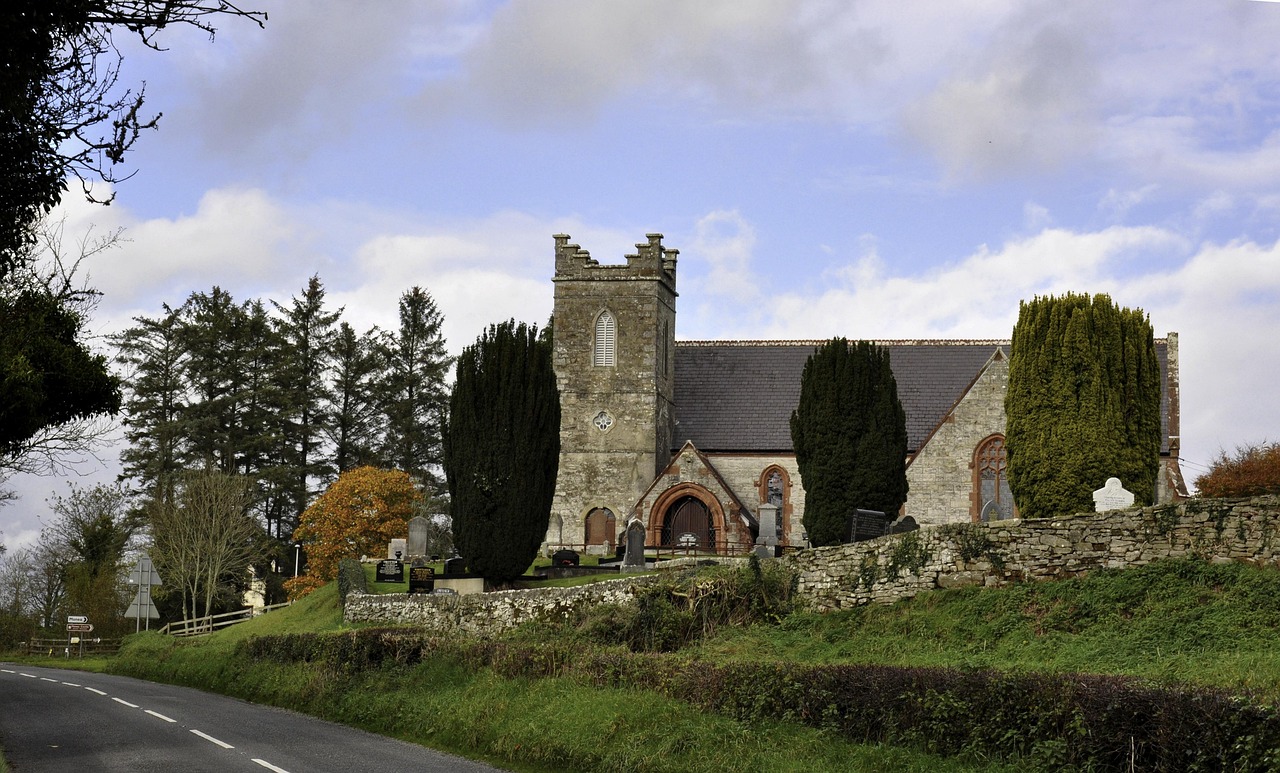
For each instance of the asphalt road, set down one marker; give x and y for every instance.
(55, 720)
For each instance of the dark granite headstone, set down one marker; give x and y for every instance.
(565, 558)
(634, 555)
(867, 524)
(422, 579)
(390, 570)
(455, 565)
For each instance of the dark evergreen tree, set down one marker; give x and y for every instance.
(850, 437)
(413, 392)
(1083, 404)
(154, 410)
(502, 449)
(304, 339)
(353, 408)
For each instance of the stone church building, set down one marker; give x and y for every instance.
(693, 438)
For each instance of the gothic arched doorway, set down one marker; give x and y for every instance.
(601, 527)
(687, 524)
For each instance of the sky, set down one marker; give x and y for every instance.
(880, 169)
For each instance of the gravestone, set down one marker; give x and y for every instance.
(866, 524)
(390, 570)
(422, 579)
(397, 548)
(769, 526)
(1112, 496)
(903, 524)
(455, 565)
(418, 527)
(565, 558)
(633, 558)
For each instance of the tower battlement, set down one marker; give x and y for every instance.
(650, 261)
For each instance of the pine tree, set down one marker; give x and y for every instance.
(850, 437)
(502, 449)
(352, 403)
(304, 336)
(157, 396)
(413, 392)
(1083, 404)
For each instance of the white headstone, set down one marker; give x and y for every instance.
(1112, 496)
(397, 548)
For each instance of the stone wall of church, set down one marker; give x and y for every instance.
(940, 477)
(743, 474)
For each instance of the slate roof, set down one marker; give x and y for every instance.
(737, 396)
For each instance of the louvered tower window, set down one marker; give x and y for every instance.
(606, 334)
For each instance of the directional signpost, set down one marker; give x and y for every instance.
(145, 577)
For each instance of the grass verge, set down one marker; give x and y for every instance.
(519, 723)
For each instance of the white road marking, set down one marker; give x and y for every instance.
(125, 702)
(29, 676)
(211, 739)
(269, 766)
(47, 679)
(7, 671)
(100, 692)
(71, 684)
(158, 715)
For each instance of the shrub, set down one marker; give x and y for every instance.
(1250, 471)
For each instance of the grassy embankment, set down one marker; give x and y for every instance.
(1176, 622)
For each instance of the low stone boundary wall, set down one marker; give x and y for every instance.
(891, 568)
(953, 555)
(485, 614)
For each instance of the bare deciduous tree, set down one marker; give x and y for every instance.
(204, 541)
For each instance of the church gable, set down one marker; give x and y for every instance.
(958, 472)
(690, 504)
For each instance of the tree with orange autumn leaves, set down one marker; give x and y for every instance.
(357, 515)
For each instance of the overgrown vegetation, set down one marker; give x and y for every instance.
(1249, 471)
(679, 610)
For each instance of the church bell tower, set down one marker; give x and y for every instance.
(614, 351)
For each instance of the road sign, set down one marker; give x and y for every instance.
(77, 618)
(80, 627)
(144, 573)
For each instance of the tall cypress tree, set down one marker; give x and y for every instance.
(1083, 403)
(850, 437)
(502, 449)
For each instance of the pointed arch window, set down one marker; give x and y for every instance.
(606, 337)
(992, 498)
(775, 489)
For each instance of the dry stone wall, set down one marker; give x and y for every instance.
(892, 568)
(485, 614)
(953, 555)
